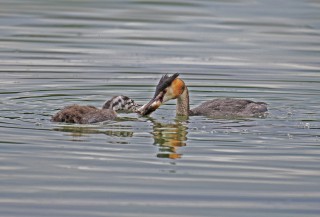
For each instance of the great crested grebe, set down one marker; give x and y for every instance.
(172, 87)
(90, 114)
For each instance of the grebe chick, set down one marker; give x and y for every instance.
(172, 87)
(89, 114)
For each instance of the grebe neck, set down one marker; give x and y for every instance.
(183, 107)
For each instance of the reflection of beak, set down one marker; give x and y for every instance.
(152, 105)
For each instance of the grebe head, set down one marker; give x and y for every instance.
(121, 103)
(169, 87)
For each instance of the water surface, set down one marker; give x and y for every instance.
(57, 53)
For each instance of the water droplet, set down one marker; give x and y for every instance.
(38, 124)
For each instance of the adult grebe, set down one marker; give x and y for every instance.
(90, 114)
(172, 87)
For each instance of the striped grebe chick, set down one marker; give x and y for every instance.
(89, 114)
(172, 87)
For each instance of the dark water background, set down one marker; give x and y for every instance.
(56, 53)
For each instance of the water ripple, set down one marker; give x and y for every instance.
(67, 52)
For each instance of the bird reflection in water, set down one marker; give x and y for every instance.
(169, 137)
(82, 131)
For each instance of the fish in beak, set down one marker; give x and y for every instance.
(151, 106)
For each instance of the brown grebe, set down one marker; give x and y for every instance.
(90, 114)
(172, 87)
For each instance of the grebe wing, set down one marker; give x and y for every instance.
(230, 107)
(99, 116)
(83, 115)
(73, 113)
